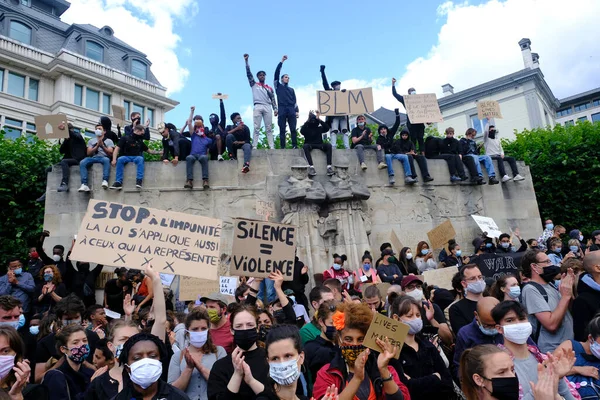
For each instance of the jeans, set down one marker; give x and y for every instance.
(189, 165)
(472, 163)
(65, 164)
(287, 114)
(121, 161)
(487, 162)
(263, 112)
(422, 161)
(86, 162)
(325, 147)
(270, 288)
(510, 160)
(403, 158)
(233, 148)
(360, 152)
(340, 124)
(455, 165)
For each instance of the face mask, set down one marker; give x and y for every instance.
(292, 299)
(330, 332)
(145, 372)
(408, 256)
(36, 255)
(595, 348)
(198, 339)
(284, 373)
(366, 267)
(476, 287)
(351, 353)
(78, 354)
(505, 388)
(580, 239)
(13, 324)
(416, 294)
(412, 92)
(21, 321)
(6, 365)
(48, 277)
(549, 273)
(118, 351)
(245, 338)
(517, 333)
(505, 245)
(549, 227)
(558, 250)
(18, 271)
(262, 333)
(425, 252)
(337, 267)
(415, 325)
(213, 315)
(514, 292)
(361, 124)
(513, 249)
(99, 133)
(458, 253)
(72, 322)
(279, 316)
(56, 257)
(488, 245)
(574, 249)
(34, 330)
(487, 331)
(392, 260)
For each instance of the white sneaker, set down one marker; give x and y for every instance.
(518, 177)
(382, 165)
(505, 178)
(84, 188)
(220, 157)
(104, 184)
(363, 166)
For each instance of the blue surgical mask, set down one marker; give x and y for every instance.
(513, 249)
(361, 124)
(488, 245)
(549, 227)
(18, 271)
(34, 330)
(487, 331)
(21, 321)
(337, 267)
(48, 277)
(595, 348)
(366, 267)
(505, 245)
(425, 252)
(476, 287)
(514, 292)
(558, 250)
(574, 249)
(557, 283)
(14, 324)
(458, 253)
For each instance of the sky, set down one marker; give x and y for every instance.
(196, 46)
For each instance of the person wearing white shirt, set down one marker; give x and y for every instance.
(493, 148)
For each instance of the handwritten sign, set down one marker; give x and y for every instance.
(264, 208)
(166, 279)
(261, 247)
(422, 108)
(395, 241)
(488, 225)
(191, 288)
(228, 284)
(175, 243)
(47, 126)
(440, 277)
(441, 234)
(488, 109)
(220, 96)
(498, 265)
(119, 115)
(383, 327)
(350, 102)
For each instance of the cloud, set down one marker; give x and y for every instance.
(145, 25)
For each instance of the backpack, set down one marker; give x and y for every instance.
(544, 294)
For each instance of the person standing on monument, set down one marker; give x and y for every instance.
(288, 112)
(417, 131)
(263, 98)
(313, 130)
(336, 124)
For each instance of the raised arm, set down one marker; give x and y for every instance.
(276, 77)
(394, 128)
(160, 308)
(324, 79)
(251, 80)
(222, 116)
(398, 97)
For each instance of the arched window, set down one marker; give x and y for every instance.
(20, 32)
(94, 51)
(139, 69)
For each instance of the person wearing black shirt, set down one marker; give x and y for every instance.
(362, 138)
(136, 119)
(417, 131)
(385, 137)
(288, 106)
(433, 148)
(217, 132)
(461, 312)
(469, 150)
(172, 142)
(115, 291)
(313, 130)
(108, 133)
(74, 150)
(451, 146)
(131, 148)
(336, 124)
(34, 264)
(595, 241)
(238, 137)
(405, 146)
(58, 252)
(298, 283)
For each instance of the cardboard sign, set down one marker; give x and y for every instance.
(228, 284)
(440, 277)
(119, 115)
(422, 108)
(395, 241)
(112, 314)
(47, 126)
(350, 102)
(261, 247)
(383, 327)
(497, 265)
(191, 288)
(264, 208)
(488, 109)
(441, 234)
(488, 225)
(175, 243)
(220, 96)
(166, 279)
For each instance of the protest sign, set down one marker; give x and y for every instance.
(383, 327)
(440, 277)
(166, 279)
(260, 247)
(190, 288)
(395, 241)
(498, 265)
(350, 102)
(220, 96)
(228, 285)
(422, 108)
(264, 208)
(119, 115)
(112, 314)
(488, 109)
(176, 243)
(441, 234)
(48, 126)
(488, 225)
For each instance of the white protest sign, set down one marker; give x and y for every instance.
(488, 225)
(112, 314)
(228, 285)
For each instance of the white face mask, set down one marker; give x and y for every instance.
(6, 365)
(517, 333)
(99, 133)
(56, 257)
(408, 256)
(198, 339)
(13, 324)
(476, 287)
(284, 373)
(416, 294)
(145, 372)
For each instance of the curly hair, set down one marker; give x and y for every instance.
(356, 316)
(56, 279)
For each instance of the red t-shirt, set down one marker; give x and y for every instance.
(222, 337)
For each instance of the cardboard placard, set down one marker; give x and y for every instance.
(488, 109)
(119, 115)
(260, 247)
(264, 208)
(220, 96)
(176, 243)
(396, 243)
(440, 277)
(350, 102)
(191, 288)
(47, 126)
(441, 234)
(166, 279)
(497, 265)
(228, 284)
(487, 224)
(422, 108)
(384, 327)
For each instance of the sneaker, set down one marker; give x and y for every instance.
(105, 184)
(409, 180)
(117, 186)
(364, 166)
(205, 183)
(391, 179)
(254, 148)
(189, 184)
(220, 158)
(455, 178)
(231, 157)
(138, 183)
(329, 170)
(518, 177)
(505, 178)
(479, 180)
(427, 179)
(63, 188)
(464, 178)
(312, 171)
(382, 165)
(84, 188)
(493, 180)
(246, 168)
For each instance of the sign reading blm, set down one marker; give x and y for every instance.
(175, 243)
(260, 247)
(349, 102)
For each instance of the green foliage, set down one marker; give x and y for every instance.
(565, 167)
(23, 164)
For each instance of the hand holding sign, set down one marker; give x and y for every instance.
(388, 351)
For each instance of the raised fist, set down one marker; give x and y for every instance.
(246, 56)
(393, 81)
(397, 110)
(283, 58)
(322, 68)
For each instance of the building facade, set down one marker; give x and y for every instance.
(50, 67)
(579, 108)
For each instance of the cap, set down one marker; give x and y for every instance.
(388, 252)
(221, 298)
(288, 292)
(477, 242)
(407, 280)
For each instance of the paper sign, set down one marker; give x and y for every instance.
(264, 208)
(191, 288)
(488, 225)
(112, 314)
(47, 126)
(395, 241)
(441, 234)
(261, 247)
(166, 279)
(119, 115)
(176, 243)
(220, 96)
(440, 277)
(350, 102)
(383, 327)
(488, 109)
(422, 108)
(228, 285)
(497, 265)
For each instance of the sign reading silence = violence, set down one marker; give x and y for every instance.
(175, 243)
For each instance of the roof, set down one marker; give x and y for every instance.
(383, 116)
(96, 31)
(580, 97)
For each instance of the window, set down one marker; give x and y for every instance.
(139, 109)
(138, 69)
(1, 80)
(563, 112)
(151, 117)
(596, 117)
(30, 126)
(569, 123)
(582, 119)
(20, 32)
(34, 85)
(106, 104)
(92, 99)
(94, 51)
(582, 107)
(12, 128)
(478, 124)
(16, 84)
(78, 95)
(596, 103)
(127, 106)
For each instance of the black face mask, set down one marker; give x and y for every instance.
(505, 388)
(262, 332)
(279, 316)
(492, 134)
(245, 338)
(549, 272)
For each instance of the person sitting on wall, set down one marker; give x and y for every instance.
(313, 130)
(433, 147)
(450, 145)
(493, 149)
(133, 147)
(201, 144)
(362, 138)
(238, 137)
(99, 151)
(468, 149)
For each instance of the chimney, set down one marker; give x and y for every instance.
(448, 89)
(535, 57)
(525, 45)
